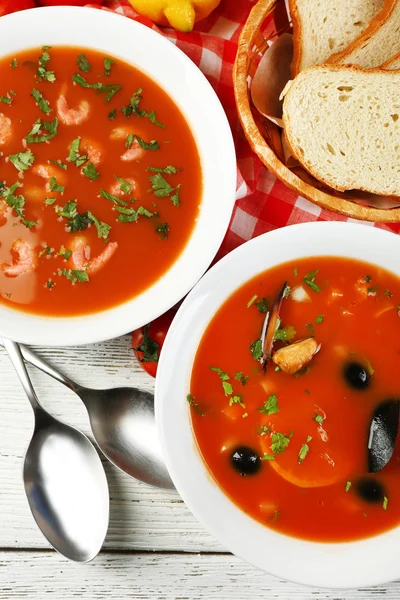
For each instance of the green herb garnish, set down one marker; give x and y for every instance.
(287, 334)
(42, 69)
(309, 279)
(270, 406)
(74, 275)
(124, 185)
(108, 89)
(17, 203)
(59, 163)
(83, 63)
(228, 390)
(385, 503)
(22, 160)
(103, 229)
(54, 185)
(90, 171)
(112, 114)
(74, 155)
(169, 170)
(242, 378)
(108, 63)
(318, 418)
(236, 400)
(311, 329)
(150, 350)
(262, 306)
(319, 319)
(162, 189)
(163, 230)
(348, 486)
(304, 450)
(280, 442)
(14, 63)
(256, 349)
(268, 457)
(40, 101)
(50, 126)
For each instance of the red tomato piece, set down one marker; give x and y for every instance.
(148, 340)
(10, 6)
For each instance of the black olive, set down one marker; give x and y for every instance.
(370, 490)
(245, 460)
(356, 376)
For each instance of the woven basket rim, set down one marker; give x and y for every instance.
(343, 206)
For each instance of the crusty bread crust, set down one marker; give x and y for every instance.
(392, 63)
(297, 38)
(363, 39)
(295, 148)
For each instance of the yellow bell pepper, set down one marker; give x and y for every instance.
(181, 14)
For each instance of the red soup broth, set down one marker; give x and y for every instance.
(308, 431)
(109, 179)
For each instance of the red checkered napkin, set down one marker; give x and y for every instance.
(263, 203)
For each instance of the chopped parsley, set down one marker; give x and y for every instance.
(124, 185)
(268, 456)
(388, 294)
(108, 63)
(112, 114)
(287, 334)
(309, 279)
(42, 71)
(163, 230)
(46, 251)
(49, 201)
(114, 199)
(295, 271)
(22, 160)
(103, 229)
(90, 171)
(149, 351)
(256, 349)
(348, 486)
(50, 126)
(59, 163)
(108, 89)
(270, 406)
(162, 189)
(74, 155)
(169, 170)
(262, 306)
(190, 399)
(286, 293)
(228, 389)
(17, 203)
(152, 145)
(7, 99)
(133, 109)
(74, 275)
(64, 253)
(14, 63)
(368, 278)
(54, 185)
(242, 378)
(252, 300)
(236, 400)
(304, 450)
(385, 503)
(319, 319)
(318, 418)
(263, 430)
(40, 101)
(280, 442)
(130, 215)
(83, 63)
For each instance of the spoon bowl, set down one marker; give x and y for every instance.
(123, 424)
(64, 479)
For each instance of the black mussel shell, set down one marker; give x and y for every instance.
(356, 376)
(382, 434)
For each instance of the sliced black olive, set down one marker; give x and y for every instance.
(382, 434)
(370, 490)
(356, 376)
(245, 460)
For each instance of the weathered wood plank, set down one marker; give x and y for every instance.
(141, 518)
(38, 575)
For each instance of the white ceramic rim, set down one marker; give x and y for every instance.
(342, 565)
(119, 36)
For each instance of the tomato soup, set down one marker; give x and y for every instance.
(100, 181)
(289, 444)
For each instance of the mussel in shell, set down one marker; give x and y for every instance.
(382, 434)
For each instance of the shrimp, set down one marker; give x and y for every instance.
(115, 189)
(49, 171)
(72, 116)
(91, 150)
(26, 263)
(135, 152)
(81, 256)
(5, 129)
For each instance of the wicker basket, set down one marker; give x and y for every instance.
(267, 20)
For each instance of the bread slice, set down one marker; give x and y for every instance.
(379, 42)
(321, 28)
(393, 63)
(343, 125)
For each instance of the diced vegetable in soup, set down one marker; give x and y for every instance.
(298, 425)
(100, 181)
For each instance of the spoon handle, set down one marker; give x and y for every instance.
(14, 352)
(44, 366)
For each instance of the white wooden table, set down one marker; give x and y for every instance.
(154, 549)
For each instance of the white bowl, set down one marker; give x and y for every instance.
(342, 565)
(118, 36)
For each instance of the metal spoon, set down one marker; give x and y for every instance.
(64, 479)
(123, 425)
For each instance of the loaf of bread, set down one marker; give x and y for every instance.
(393, 63)
(379, 42)
(343, 125)
(321, 28)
